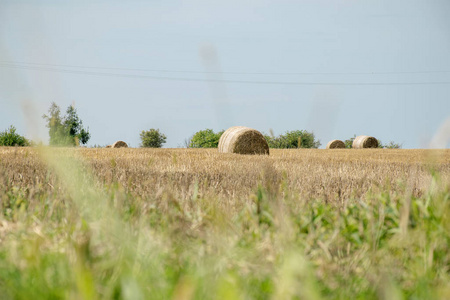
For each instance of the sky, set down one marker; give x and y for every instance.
(333, 67)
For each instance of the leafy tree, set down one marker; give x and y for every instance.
(305, 139)
(72, 122)
(205, 139)
(67, 130)
(349, 143)
(84, 136)
(9, 137)
(293, 139)
(55, 126)
(152, 138)
(74, 126)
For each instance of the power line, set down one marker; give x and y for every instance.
(67, 71)
(232, 73)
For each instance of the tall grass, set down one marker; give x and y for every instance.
(193, 224)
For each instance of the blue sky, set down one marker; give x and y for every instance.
(336, 68)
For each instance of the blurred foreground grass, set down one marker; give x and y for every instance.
(195, 224)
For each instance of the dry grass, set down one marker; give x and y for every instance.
(299, 224)
(243, 140)
(334, 176)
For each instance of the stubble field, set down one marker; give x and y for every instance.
(196, 224)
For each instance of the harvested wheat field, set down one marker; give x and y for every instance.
(332, 176)
(220, 225)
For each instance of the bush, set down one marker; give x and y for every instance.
(205, 139)
(293, 139)
(349, 143)
(390, 145)
(152, 138)
(9, 137)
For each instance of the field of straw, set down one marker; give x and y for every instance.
(197, 224)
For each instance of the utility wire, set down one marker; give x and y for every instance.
(233, 73)
(68, 71)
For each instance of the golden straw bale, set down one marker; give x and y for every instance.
(364, 141)
(243, 140)
(109, 146)
(119, 144)
(334, 144)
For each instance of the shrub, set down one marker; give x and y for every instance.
(293, 139)
(349, 143)
(152, 138)
(390, 145)
(273, 141)
(9, 137)
(205, 139)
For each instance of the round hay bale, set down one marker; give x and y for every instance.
(119, 144)
(334, 144)
(243, 140)
(364, 141)
(109, 146)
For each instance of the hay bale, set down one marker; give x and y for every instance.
(334, 144)
(243, 140)
(109, 146)
(119, 144)
(364, 141)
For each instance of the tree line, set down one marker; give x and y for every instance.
(68, 130)
(291, 139)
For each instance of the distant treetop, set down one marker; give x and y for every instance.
(67, 130)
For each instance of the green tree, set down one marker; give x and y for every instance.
(72, 122)
(67, 130)
(9, 137)
(74, 126)
(152, 138)
(293, 139)
(349, 143)
(84, 136)
(55, 126)
(205, 139)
